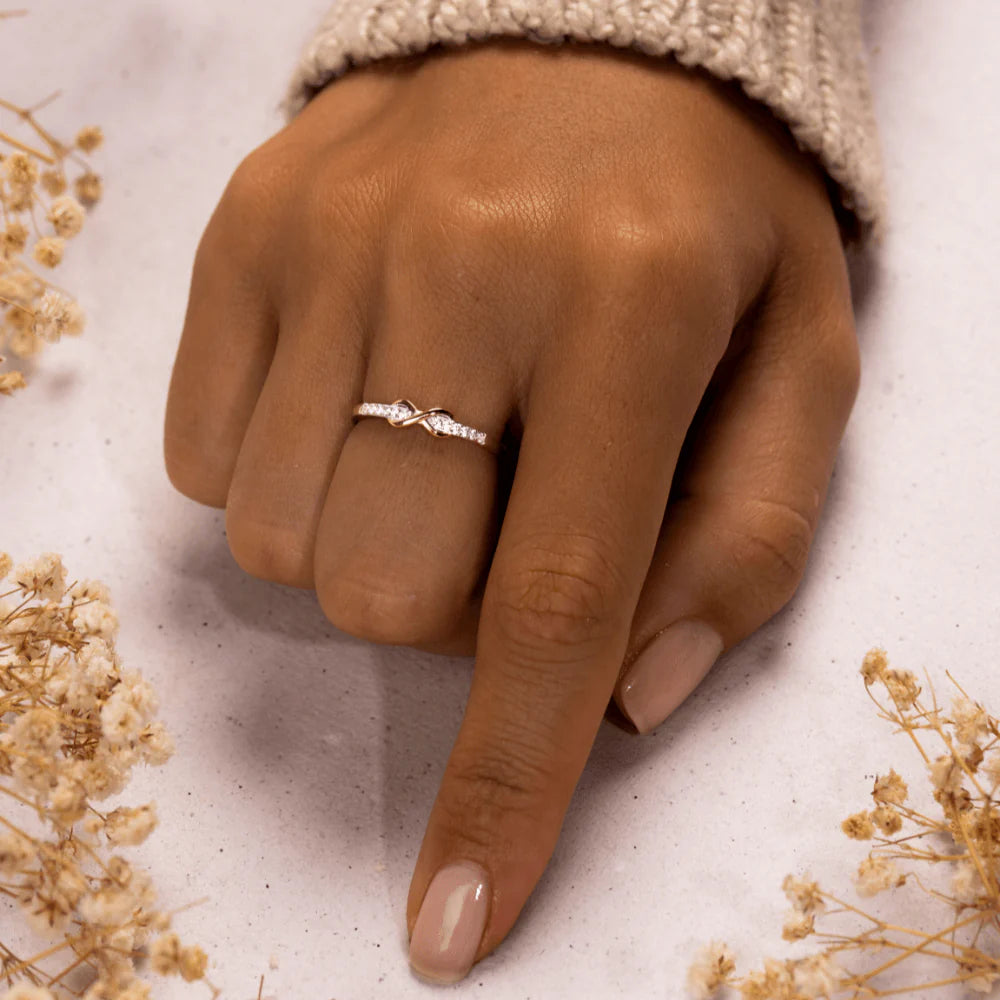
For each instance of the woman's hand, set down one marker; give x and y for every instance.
(610, 254)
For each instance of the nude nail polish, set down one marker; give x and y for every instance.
(667, 671)
(450, 923)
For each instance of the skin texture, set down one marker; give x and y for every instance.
(621, 262)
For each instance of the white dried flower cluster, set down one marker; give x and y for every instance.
(35, 185)
(875, 874)
(710, 970)
(73, 725)
(807, 903)
(806, 978)
(55, 315)
(965, 780)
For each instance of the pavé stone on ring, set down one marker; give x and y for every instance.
(435, 420)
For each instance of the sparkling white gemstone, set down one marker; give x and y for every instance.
(438, 421)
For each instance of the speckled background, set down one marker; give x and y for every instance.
(308, 760)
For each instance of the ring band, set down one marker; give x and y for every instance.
(435, 420)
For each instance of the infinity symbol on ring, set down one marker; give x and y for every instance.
(419, 417)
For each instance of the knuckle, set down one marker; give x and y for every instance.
(770, 547)
(374, 611)
(255, 188)
(845, 362)
(556, 590)
(192, 475)
(833, 360)
(655, 266)
(698, 265)
(630, 244)
(508, 776)
(267, 551)
(815, 295)
(676, 264)
(480, 214)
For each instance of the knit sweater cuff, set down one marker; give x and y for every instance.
(804, 59)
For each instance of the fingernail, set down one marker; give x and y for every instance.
(450, 923)
(667, 671)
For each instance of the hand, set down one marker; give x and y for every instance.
(620, 259)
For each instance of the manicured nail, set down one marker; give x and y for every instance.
(450, 923)
(667, 671)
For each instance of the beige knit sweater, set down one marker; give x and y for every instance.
(803, 58)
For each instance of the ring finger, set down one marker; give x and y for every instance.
(409, 521)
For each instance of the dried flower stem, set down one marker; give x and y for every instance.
(40, 957)
(965, 780)
(27, 114)
(59, 976)
(907, 950)
(25, 148)
(908, 730)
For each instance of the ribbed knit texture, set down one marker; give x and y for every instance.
(803, 58)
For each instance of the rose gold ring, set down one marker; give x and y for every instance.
(435, 420)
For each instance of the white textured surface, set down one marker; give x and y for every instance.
(308, 760)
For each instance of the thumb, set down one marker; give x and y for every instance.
(741, 519)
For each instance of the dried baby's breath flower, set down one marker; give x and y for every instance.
(89, 138)
(710, 970)
(56, 315)
(969, 719)
(10, 382)
(816, 976)
(74, 723)
(964, 781)
(977, 980)
(168, 957)
(49, 250)
(966, 885)
(803, 894)
(15, 238)
(887, 819)
(90, 590)
(797, 925)
(775, 982)
(877, 874)
(193, 963)
(946, 773)
(874, 665)
(902, 687)
(35, 174)
(130, 826)
(18, 287)
(859, 826)
(53, 181)
(890, 789)
(43, 577)
(992, 768)
(27, 991)
(15, 851)
(21, 170)
(88, 188)
(67, 216)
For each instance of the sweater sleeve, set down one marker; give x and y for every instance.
(804, 59)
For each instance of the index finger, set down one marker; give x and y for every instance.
(588, 498)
